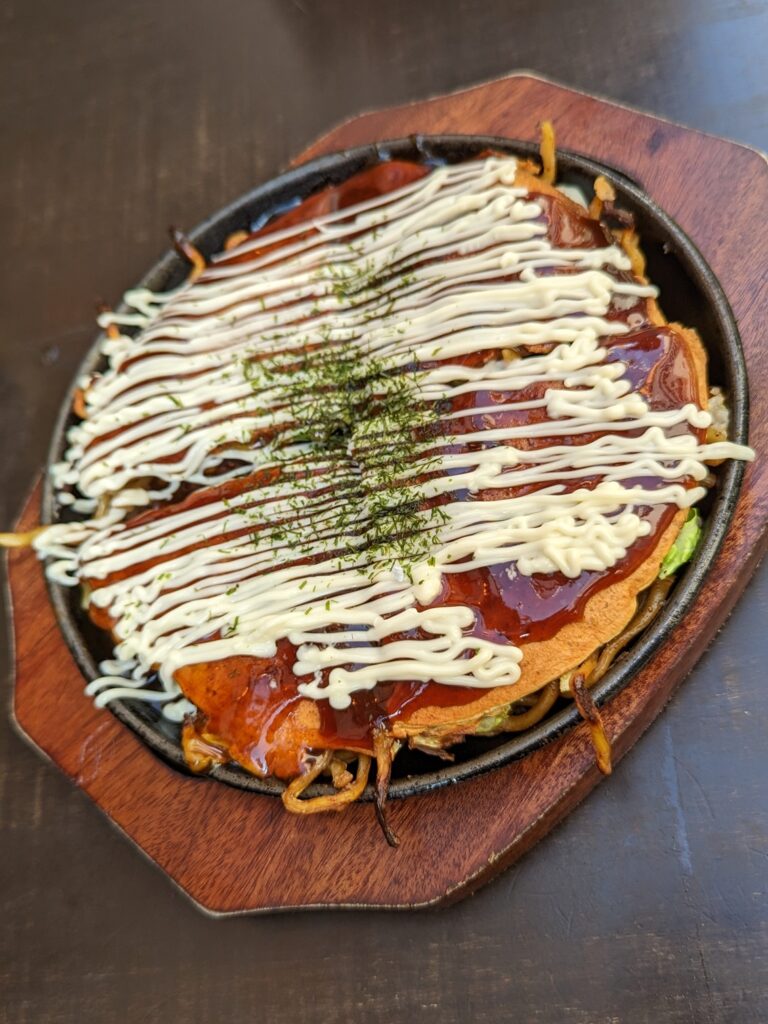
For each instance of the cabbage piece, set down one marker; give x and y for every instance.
(685, 544)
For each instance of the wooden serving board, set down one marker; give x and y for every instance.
(237, 852)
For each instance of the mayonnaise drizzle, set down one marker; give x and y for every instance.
(177, 406)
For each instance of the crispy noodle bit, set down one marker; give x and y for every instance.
(548, 153)
(20, 540)
(604, 193)
(397, 467)
(588, 711)
(347, 794)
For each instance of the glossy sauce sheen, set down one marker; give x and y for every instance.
(250, 708)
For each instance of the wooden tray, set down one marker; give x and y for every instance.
(237, 852)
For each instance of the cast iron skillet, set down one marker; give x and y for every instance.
(690, 293)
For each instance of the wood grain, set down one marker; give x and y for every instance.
(457, 838)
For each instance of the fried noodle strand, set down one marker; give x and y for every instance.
(548, 153)
(546, 697)
(583, 700)
(383, 750)
(334, 802)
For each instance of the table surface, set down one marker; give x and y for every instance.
(649, 904)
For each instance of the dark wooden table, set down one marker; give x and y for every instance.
(649, 904)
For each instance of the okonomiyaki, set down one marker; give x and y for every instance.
(410, 462)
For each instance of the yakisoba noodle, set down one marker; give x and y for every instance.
(400, 467)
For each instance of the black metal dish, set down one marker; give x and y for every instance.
(690, 293)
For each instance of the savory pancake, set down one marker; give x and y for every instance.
(394, 467)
